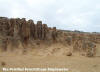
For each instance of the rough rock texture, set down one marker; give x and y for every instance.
(20, 29)
(15, 30)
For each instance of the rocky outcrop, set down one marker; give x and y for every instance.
(13, 30)
(24, 30)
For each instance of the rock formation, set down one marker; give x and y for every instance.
(16, 29)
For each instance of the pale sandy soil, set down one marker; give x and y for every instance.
(52, 56)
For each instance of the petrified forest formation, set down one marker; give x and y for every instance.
(16, 29)
(24, 30)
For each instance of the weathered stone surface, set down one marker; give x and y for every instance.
(54, 33)
(69, 40)
(44, 31)
(39, 29)
(32, 28)
(11, 27)
(24, 30)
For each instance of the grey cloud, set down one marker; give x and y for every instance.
(64, 14)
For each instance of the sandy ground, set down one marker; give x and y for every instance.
(52, 56)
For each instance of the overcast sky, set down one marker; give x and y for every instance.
(81, 15)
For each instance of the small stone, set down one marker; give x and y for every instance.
(69, 54)
(3, 63)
